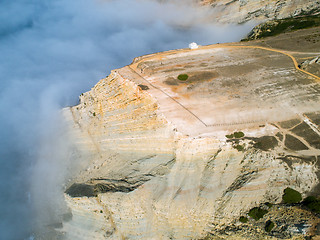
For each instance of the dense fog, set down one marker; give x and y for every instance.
(51, 52)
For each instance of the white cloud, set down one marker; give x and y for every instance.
(51, 52)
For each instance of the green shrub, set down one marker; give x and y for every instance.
(230, 136)
(256, 213)
(309, 199)
(312, 203)
(183, 77)
(269, 205)
(94, 114)
(239, 147)
(291, 196)
(243, 219)
(238, 134)
(269, 226)
(235, 135)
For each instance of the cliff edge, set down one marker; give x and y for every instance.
(181, 144)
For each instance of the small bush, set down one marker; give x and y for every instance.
(238, 134)
(94, 114)
(230, 136)
(269, 226)
(235, 135)
(256, 213)
(183, 77)
(309, 199)
(269, 205)
(240, 148)
(291, 196)
(143, 87)
(243, 219)
(312, 203)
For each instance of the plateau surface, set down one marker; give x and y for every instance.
(182, 144)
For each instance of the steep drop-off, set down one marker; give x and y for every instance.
(162, 162)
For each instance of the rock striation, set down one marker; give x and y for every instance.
(158, 162)
(276, 27)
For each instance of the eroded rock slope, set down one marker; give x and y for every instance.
(245, 10)
(162, 162)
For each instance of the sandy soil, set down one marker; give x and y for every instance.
(230, 86)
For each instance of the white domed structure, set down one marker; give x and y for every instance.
(193, 45)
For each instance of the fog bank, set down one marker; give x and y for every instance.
(51, 52)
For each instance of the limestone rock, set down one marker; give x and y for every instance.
(158, 162)
(245, 10)
(312, 65)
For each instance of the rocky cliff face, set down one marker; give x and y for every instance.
(246, 10)
(148, 175)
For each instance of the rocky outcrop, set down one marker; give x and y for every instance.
(143, 178)
(275, 27)
(231, 11)
(312, 65)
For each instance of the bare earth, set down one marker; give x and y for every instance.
(145, 179)
(230, 86)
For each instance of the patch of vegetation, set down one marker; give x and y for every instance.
(143, 87)
(291, 196)
(235, 135)
(238, 134)
(256, 213)
(289, 123)
(94, 114)
(269, 226)
(269, 205)
(303, 130)
(275, 27)
(230, 136)
(265, 143)
(183, 77)
(81, 190)
(243, 219)
(280, 136)
(312, 203)
(294, 144)
(288, 25)
(239, 147)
